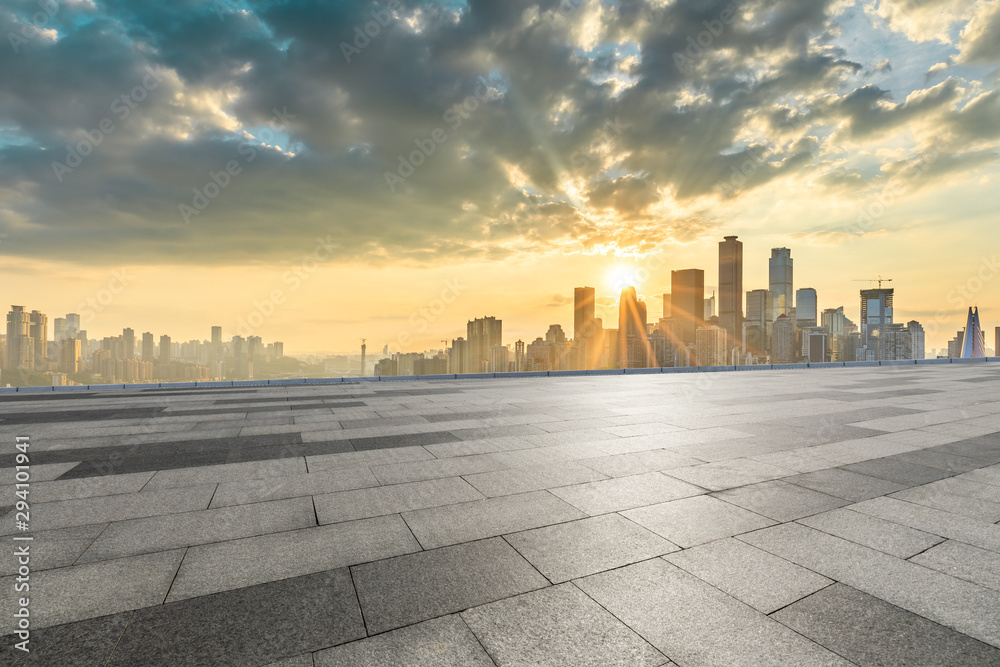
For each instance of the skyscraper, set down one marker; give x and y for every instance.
(148, 352)
(996, 344)
(128, 337)
(40, 336)
(459, 356)
(876, 311)
(758, 315)
(781, 284)
(72, 325)
(687, 299)
(483, 334)
(917, 333)
(58, 329)
(731, 289)
(20, 344)
(805, 308)
(633, 342)
(583, 326)
(164, 350)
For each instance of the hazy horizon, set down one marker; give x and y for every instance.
(196, 161)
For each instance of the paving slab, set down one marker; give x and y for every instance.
(780, 500)
(381, 500)
(464, 522)
(696, 624)
(558, 626)
(251, 626)
(534, 478)
(224, 566)
(99, 589)
(845, 484)
(79, 644)
(697, 520)
(408, 589)
(173, 531)
(763, 581)
(624, 493)
(888, 537)
(55, 548)
(869, 631)
(291, 486)
(963, 561)
(580, 548)
(960, 605)
(442, 642)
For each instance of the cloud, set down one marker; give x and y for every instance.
(419, 133)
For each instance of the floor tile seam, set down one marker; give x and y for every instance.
(861, 544)
(114, 648)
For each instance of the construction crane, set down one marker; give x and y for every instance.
(878, 280)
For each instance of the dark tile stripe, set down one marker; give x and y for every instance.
(55, 396)
(79, 415)
(408, 440)
(256, 625)
(84, 643)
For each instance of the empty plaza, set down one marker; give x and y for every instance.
(824, 516)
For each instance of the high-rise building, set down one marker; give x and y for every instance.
(584, 299)
(499, 359)
(834, 324)
(69, 356)
(633, 341)
(711, 346)
(483, 334)
(148, 349)
(59, 329)
(519, 357)
(814, 344)
(128, 338)
(709, 307)
(781, 283)
(783, 340)
(974, 343)
(40, 336)
(731, 289)
(667, 310)
(459, 356)
(996, 344)
(20, 344)
(687, 302)
(759, 312)
(805, 308)
(876, 312)
(895, 343)
(917, 334)
(72, 325)
(215, 348)
(164, 350)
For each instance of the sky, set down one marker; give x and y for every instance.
(322, 172)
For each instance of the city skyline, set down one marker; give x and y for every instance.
(687, 284)
(176, 189)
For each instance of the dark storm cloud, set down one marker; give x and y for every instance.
(419, 132)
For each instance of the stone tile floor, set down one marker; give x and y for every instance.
(786, 517)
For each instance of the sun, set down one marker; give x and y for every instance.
(621, 276)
